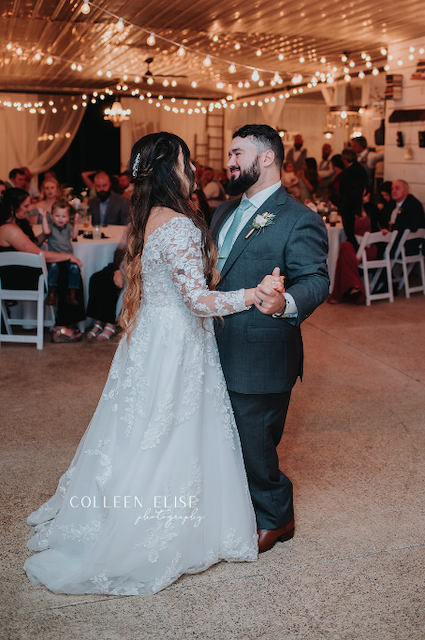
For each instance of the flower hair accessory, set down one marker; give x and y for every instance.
(136, 166)
(261, 221)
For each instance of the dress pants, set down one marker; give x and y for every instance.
(103, 295)
(260, 419)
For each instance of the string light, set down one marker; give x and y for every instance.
(49, 60)
(207, 61)
(383, 51)
(232, 68)
(86, 7)
(151, 41)
(181, 51)
(255, 76)
(237, 46)
(120, 24)
(375, 72)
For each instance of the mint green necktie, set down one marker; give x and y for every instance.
(230, 236)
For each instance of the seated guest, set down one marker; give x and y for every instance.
(201, 204)
(13, 211)
(333, 187)
(348, 284)
(408, 213)
(17, 179)
(49, 194)
(308, 180)
(290, 180)
(30, 185)
(124, 181)
(104, 290)
(107, 207)
(59, 235)
(213, 190)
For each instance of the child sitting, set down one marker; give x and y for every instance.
(59, 234)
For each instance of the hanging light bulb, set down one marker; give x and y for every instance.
(120, 24)
(194, 84)
(207, 61)
(361, 75)
(347, 77)
(165, 83)
(255, 75)
(344, 58)
(383, 51)
(232, 68)
(375, 72)
(19, 51)
(150, 80)
(181, 51)
(237, 46)
(276, 78)
(258, 53)
(151, 40)
(9, 46)
(49, 60)
(37, 57)
(343, 114)
(174, 83)
(86, 7)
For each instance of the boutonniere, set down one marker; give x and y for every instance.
(261, 221)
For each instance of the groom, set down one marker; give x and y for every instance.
(261, 349)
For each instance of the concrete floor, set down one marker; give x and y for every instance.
(354, 446)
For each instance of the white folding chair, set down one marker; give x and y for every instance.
(376, 267)
(36, 261)
(408, 262)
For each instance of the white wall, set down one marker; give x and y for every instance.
(413, 96)
(297, 116)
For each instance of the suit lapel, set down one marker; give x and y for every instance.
(271, 205)
(221, 215)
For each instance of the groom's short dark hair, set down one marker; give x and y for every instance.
(264, 137)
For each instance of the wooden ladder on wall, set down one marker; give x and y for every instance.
(210, 153)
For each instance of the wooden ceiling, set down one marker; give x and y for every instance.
(88, 52)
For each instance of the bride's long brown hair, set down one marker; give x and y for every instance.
(153, 165)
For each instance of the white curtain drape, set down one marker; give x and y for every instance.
(37, 140)
(147, 118)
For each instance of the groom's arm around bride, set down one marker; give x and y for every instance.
(261, 349)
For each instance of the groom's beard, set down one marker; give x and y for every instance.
(246, 179)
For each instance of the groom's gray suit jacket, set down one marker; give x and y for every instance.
(261, 354)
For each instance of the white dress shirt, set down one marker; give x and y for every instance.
(257, 200)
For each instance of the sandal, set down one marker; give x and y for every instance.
(59, 336)
(104, 335)
(94, 331)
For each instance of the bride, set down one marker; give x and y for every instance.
(157, 487)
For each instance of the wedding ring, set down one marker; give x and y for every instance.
(260, 303)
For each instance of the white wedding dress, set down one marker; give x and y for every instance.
(157, 487)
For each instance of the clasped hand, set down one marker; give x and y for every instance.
(268, 296)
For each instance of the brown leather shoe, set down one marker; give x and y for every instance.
(268, 538)
(71, 297)
(52, 297)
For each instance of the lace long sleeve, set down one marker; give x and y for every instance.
(182, 254)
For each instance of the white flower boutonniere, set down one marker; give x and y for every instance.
(261, 221)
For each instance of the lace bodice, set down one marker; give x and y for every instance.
(172, 272)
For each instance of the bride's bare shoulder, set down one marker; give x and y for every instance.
(158, 217)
